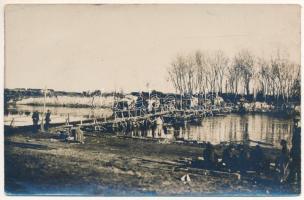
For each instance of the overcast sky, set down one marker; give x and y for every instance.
(107, 47)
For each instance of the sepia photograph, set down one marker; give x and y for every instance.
(152, 100)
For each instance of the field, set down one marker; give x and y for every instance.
(106, 165)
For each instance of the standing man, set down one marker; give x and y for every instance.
(210, 157)
(295, 153)
(47, 119)
(258, 159)
(159, 125)
(283, 161)
(79, 135)
(228, 157)
(35, 118)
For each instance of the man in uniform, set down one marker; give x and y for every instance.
(210, 157)
(47, 119)
(295, 153)
(79, 135)
(35, 118)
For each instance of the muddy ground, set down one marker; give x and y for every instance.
(40, 164)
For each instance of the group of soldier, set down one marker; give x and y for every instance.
(128, 125)
(73, 134)
(241, 158)
(236, 158)
(36, 118)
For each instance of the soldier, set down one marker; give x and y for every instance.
(47, 119)
(210, 157)
(283, 160)
(159, 125)
(228, 158)
(243, 158)
(295, 153)
(35, 118)
(257, 159)
(79, 135)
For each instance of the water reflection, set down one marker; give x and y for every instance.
(247, 129)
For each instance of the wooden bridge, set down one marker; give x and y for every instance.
(137, 117)
(142, 118)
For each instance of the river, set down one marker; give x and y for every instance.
(249, 128)
(22, 114)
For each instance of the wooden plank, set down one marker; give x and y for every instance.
(212, 172)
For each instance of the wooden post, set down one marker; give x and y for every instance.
(12, 122)
(181, 102)
(43, 114)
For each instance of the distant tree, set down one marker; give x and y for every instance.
(220, 64)
(201, 68)
(264, 76)
(182, 75)
(244, 63)
(233, 78)
(204, 72)
(296, 86)
(211, 74)
(283, 75)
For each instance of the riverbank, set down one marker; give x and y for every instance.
(107, 165)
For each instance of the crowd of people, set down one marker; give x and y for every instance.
(242, 158)
(36, 119)
(72, 134)
(235, 158)
(128, 125)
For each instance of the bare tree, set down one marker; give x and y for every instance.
(282, 73)
(263, 75)
(201, 63)
(191, 83)
(244, 63)
(296, 84)
(220, 64)
(233, 78)
(183, 75)
(176, 73)
(203, 73)
(211, 75)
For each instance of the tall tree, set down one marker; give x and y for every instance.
(183, 75)
(220, 64)
(244, 63)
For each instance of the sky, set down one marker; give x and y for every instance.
(114, 47)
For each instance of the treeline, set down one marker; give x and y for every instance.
(245, 74)
(23, 93)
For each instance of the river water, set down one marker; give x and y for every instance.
(249, 128)
(267, 130)
(257, 127)
(22, 114)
